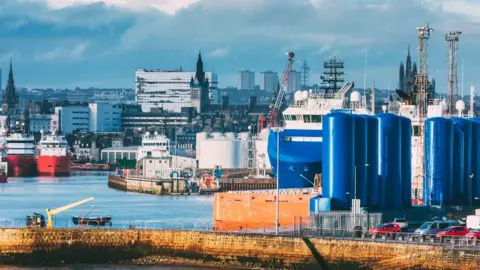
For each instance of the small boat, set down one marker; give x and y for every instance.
(92, 221)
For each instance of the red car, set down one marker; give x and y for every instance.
(474, 234)
(385, 229)
(453, 231)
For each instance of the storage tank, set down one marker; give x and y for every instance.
(338, 159)
(201, 136)
(372, 160)
(390, 160)
(438, 158)
(360, 151)
(222, 152)
(475, 158)
(461, 180)
(406, 149)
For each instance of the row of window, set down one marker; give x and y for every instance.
(305, 118)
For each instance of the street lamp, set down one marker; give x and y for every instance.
(277, 212)
(355, 195)
(471, 189)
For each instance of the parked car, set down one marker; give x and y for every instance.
(431, 228)
(385, 229)
(473, 234)
(402, 222)
(453, 231)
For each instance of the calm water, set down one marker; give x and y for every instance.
(23, 196)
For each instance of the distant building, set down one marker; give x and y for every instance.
(71, 119)
(269, 81)
(169, 90)
(246, 80)
(10, 101)
(40, 122)
(294, 81)
(105, 117)
(155, 120)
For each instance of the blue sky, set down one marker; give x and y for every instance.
(68, 43)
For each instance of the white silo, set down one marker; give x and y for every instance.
(200, 137)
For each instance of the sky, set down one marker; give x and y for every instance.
(94, 43)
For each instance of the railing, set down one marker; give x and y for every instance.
(454, 242)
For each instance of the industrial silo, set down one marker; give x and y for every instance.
(390, 160)
(439, 133)
(406, 148)
(372, 160)
(461, 181)
(360, 185)
(200, 137)
(338, 159)
(475, 175)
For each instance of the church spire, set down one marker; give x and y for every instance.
(200, 74)
(408, 68)
(10, 96)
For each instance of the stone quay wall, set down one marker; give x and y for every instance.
(94, 246)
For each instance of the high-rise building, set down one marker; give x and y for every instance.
(169, 90)
(10, 100)
(246, 80)
(269, 81)
(294, 81)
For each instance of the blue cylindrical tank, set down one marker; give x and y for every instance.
(462, 185)
(372, 160)
(475, 177)
(439, 133)
(389, 161)
(406, 149)
(338, 159)
(360, 185)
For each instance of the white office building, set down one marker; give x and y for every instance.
(269, 81)
(105, 117)
(72, 118)
(246, 80)
(168, 90)
(294, 81)
(40, 122)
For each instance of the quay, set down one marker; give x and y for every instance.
(61, 247)
(173, 186)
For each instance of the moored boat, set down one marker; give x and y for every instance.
(92, 221)
(53, 156)
(21, 155)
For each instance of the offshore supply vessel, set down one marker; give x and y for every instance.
(54, 157)
(21, 154)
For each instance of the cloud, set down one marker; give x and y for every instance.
(220, 52)
(92, 40)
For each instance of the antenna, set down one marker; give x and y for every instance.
(305, 75)
(365, 76)
(452, 39)
(462, 77)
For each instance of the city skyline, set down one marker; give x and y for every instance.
(53, 46)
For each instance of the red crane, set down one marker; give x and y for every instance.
(281, 92)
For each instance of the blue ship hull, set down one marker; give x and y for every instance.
(300, 159)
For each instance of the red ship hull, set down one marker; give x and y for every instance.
(21, 166)
(54, 165)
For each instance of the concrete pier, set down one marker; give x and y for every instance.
(56, 247)
(149, 186)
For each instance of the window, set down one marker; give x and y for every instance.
(294, 117)
(307, 118)
(416, 131)
(443, 225)
(316, 118)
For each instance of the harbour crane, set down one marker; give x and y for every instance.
(281, 92)
(51, 213)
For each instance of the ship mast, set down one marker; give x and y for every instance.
(422, 85)
(332, 78)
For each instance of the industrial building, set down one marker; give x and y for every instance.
(111, 154)
(229, 150)
(73, 118)
(105, 117)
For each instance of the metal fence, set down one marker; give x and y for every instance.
(454, 242)
(337, 221)
(120, 224)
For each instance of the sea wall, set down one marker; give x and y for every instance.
(68, 246)
(148, 186)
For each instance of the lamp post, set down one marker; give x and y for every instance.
(355, 195)
(471, 189)
(277, 210)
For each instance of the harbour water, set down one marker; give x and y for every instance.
(23, 196)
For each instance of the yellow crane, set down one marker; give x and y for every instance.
(51, 213)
